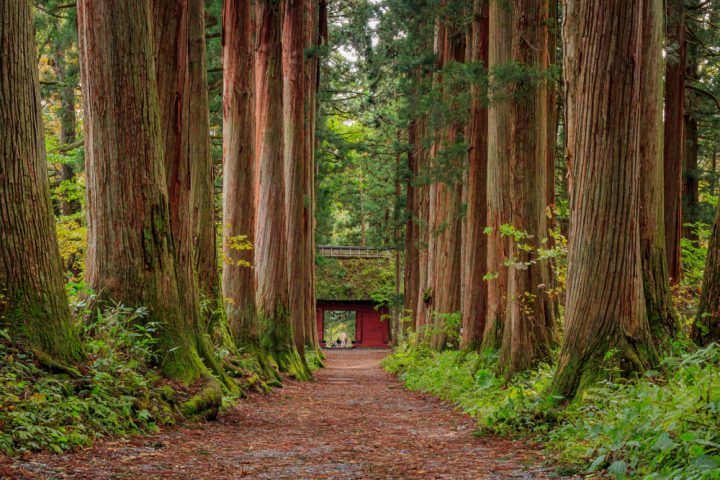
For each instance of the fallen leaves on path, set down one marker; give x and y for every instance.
(354, 422)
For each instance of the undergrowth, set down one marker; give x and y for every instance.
(665, 425)
(115, 393)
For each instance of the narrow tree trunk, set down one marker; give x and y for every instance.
(547, 99)
(474, 307)
(674, 134)
(412, 266)
(658, 302)
(605, 310)
(528, 332)
(295, 165)
(131, 253)
(315, 35)
(706, 328)
(33, 305)
(68, 124)
(424, 292)
(500, 25)
(397, 234)
(202, 178)
(690, 197)
(271, 280)
(238, 285)
(447, 224)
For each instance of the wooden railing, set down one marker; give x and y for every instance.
(353, 252)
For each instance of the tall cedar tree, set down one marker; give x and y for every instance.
(294, 124)
(446, 195)
(674, 137)
(658, 302)
(171, 28)
(528, 331)
(315, 36)
(474, 305)
(131, 254)
(238, 286)
(412, 227)
(605, 309)
(690, 184)
(271, 295)
(33, 305)
(202, 174)
(706, 328)
(498, 174)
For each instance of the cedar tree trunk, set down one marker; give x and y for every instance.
(605, 311)
(474, 307)
(238, 288)
(33, 305)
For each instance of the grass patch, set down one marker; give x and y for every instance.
(664, 425)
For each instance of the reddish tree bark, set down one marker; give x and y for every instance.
(238, 284)
(674, 138)
(658, 302)
(315, 36)
(422, 218)
(179, 132)
(474, 305)
(605, 310)
(33, 305)
(445, 201)
(499, 53)
(271, 280)
(690, 186)
(412, 229)
(202, 173)
(529, 324)
(293, 44)
(131, 253)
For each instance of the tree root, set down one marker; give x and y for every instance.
(206, 403)
(56, 366)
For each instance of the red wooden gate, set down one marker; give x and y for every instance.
(370, 328)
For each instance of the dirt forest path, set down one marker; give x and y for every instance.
(354, 422)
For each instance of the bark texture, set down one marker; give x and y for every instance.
(474, 304)
(238, 287)
(171, 28)
(605, 309)
(295, 154)
(271, 295)
(412, 228)
(674, 138)
(33, 305)
(528, 332)
(690, 187)
(131, 254)
(706, 328)
(446, 198)
(498, 172)
(202, 173)
(315, 36)
(658, 302)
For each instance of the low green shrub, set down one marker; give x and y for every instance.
(115, 393)
(665, 425)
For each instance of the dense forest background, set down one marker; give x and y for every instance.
(553, 215)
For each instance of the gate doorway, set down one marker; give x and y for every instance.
(363, 324)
